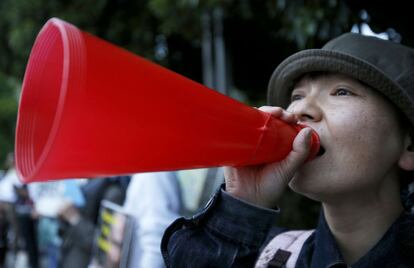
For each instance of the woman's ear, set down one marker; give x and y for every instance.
(406, 161)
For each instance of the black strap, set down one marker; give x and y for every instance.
(279, 259)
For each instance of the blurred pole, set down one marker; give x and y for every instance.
(206, 50)
(220, 60)
(214, 76)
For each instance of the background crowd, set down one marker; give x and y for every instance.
(60, 224)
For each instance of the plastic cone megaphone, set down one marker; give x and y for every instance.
(89, 108)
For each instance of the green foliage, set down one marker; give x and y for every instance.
(8, 109)
(307, 21)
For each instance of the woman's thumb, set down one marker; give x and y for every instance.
(300, 149)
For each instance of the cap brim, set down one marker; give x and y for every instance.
(318, 60)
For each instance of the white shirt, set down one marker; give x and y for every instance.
(154, 201)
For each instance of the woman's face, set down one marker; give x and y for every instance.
(360, 131)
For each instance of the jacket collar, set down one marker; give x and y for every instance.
(384, 254)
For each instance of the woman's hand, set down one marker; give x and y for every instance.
(263, 185)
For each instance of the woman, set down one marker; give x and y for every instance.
(357, 93)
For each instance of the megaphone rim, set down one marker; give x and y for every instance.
(26, 166)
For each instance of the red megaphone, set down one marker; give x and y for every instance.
(89, 108)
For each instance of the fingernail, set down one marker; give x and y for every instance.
(308, 134)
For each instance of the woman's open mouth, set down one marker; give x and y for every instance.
(321, 151)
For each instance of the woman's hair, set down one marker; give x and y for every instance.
(405, 237)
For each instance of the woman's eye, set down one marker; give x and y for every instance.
(296, 97)
(343, 92)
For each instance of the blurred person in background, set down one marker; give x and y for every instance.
(9, 227)
(27, 223)
(154, 201)
(78, 224)
(4, 227)
(9, 179)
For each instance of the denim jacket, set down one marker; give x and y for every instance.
(230, 233)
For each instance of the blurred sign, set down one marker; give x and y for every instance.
(113, 237)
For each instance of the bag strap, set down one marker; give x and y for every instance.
(283, 250)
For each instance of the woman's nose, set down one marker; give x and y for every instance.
(308, 110)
